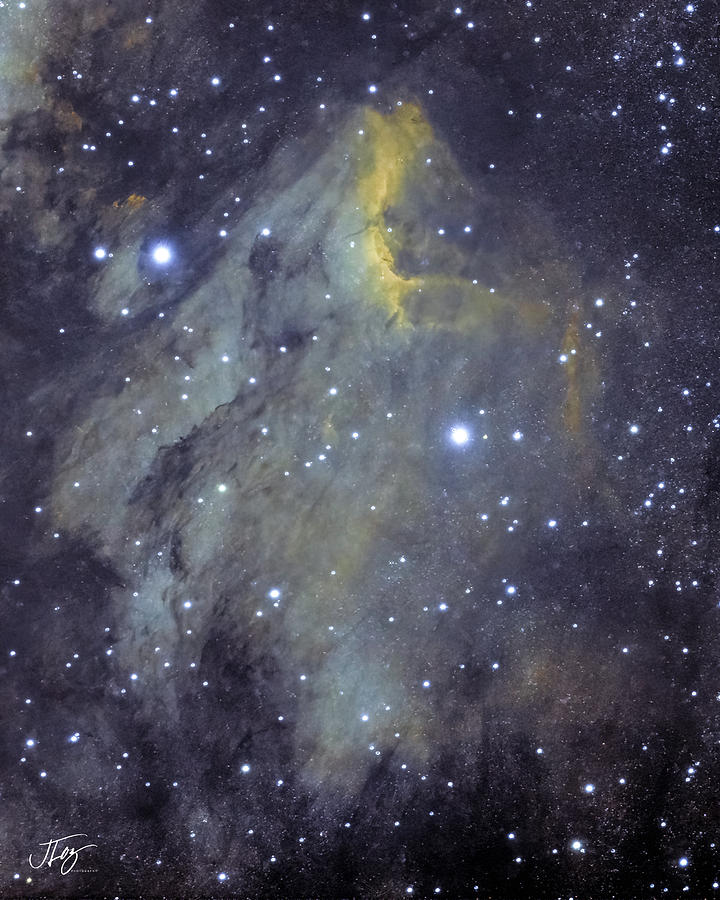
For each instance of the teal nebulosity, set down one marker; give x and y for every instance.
(347, 548)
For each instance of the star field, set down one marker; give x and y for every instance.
(359, 515)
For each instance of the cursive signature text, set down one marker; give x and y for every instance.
(67, 856)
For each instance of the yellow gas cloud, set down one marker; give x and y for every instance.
(391, 168)
(391, 172)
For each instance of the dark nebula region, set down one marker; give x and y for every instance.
(360, 482)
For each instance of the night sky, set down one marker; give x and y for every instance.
(360, 469)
